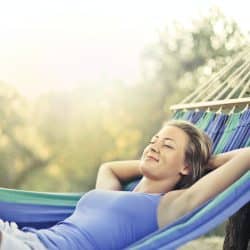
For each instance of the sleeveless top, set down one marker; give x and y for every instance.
(104, 220)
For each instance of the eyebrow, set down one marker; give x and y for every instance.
(165, 138)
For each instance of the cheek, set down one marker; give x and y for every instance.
(173, 159)
(145, 151)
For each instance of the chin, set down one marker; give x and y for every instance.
(146, 170)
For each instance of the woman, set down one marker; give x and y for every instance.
(171, 167)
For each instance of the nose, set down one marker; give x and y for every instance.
(154, 148)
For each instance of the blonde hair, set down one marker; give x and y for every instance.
(197, 154)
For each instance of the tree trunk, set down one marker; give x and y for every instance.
(238, 230)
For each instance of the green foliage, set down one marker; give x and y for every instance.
(89, 126)
(57, 142)
(20, 156)
(186, 58)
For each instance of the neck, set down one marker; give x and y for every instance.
(147, 185)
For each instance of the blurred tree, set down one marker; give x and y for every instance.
(20, 151)
(185, 58)
(238, 230)
(109, 121)
(83, 128)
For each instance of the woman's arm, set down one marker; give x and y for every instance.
(234, 165)
(220, 159)
(111, 174)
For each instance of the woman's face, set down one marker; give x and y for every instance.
(164, 156)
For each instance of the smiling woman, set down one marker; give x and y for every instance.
(172, 154)
(164, 156)
(108, 218)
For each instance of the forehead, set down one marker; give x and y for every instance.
(175, 133)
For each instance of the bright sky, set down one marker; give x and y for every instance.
(59, 44)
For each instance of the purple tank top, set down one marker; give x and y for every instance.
(104, 220)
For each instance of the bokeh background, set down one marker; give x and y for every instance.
(85, 82)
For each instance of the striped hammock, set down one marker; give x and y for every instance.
(42, 210)
(228, 89)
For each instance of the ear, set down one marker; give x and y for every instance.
(185, 170)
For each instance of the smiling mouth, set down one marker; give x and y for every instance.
(151, 158)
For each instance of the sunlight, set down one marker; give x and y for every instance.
(53, 45)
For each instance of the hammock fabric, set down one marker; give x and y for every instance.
(36, 209)
(201, 220)
(42, 210)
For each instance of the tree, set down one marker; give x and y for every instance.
(20, 152)
(238, 230)
(184, 59)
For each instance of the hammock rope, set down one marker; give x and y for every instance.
(216, 77)
(227, 130)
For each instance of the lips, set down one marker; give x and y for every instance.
(152, 158)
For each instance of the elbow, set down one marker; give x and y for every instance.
(248, 155)
(245, 157)
(104, 167)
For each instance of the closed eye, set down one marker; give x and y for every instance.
(165, 145)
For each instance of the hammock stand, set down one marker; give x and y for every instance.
(221, 108)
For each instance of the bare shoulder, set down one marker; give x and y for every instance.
(167, 211)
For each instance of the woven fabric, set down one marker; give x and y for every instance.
(42, 210)
(201, 220)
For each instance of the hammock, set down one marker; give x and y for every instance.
(228, 130)
(217, 210)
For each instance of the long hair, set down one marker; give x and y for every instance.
(197, 153)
